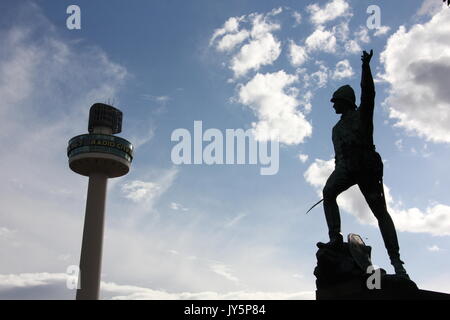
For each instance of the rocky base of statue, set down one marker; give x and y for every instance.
(346, 272)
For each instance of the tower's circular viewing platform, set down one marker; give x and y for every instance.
(104, 153)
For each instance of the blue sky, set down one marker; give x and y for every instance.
(217, 231)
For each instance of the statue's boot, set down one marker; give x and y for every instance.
(334, 224)
(398, 267)
(336, 241)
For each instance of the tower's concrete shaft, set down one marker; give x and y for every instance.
(91, 248)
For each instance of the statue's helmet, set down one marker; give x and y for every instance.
(345, 93)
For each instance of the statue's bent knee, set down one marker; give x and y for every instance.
(328, 193)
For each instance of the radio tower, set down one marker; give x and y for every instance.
(98, 155)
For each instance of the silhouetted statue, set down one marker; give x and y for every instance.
(357, 162)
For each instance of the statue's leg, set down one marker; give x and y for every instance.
(373, 191)
(338, 182)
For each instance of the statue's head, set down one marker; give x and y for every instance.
(344, 99)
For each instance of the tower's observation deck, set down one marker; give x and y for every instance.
(99, 150)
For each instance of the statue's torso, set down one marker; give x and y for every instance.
(352, 139)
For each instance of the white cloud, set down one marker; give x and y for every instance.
(274, 101)
(303, 157)
(342, 30)
(162, 99)
(142, 136)
(399, 144)
(419, 98)
(275, 11)
(430, 7)
(318, 172)
(259, 46)
(297, 54)
(261, 24)
(434, 220)
(434, 248)
(298, 276)
(263, 50)
(148, 191)
(381, 31)
(6, 233)
(321, 40)
(149, 294)
(297, 17)
(305, 101)
(176, 206)
(331, 11)
(48, 282)
(235, 220)
(230, 41)
(8, 281)
(363, 35)
(320, 76)
(352, 46)
(231, 25)
(343, 70)
(140, 190)
(224, 271)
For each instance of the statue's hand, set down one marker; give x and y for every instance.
(365, 58)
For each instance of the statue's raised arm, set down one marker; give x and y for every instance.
(367, 87)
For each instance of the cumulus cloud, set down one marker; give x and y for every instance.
(419, 99)
(329, 12)
(231, 35)
(381, 31)
(230, 41)
(321, 40)
(343, 70)
(434, 220)
(320, 76)
(297, 17)
(264, 50)
(352, 46)
(258, 45)
(297, 54)
(303, 157)
(230, 26)
(363, 34)
(336, 39)
(274, 101)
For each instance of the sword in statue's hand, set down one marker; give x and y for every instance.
(314, 206)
